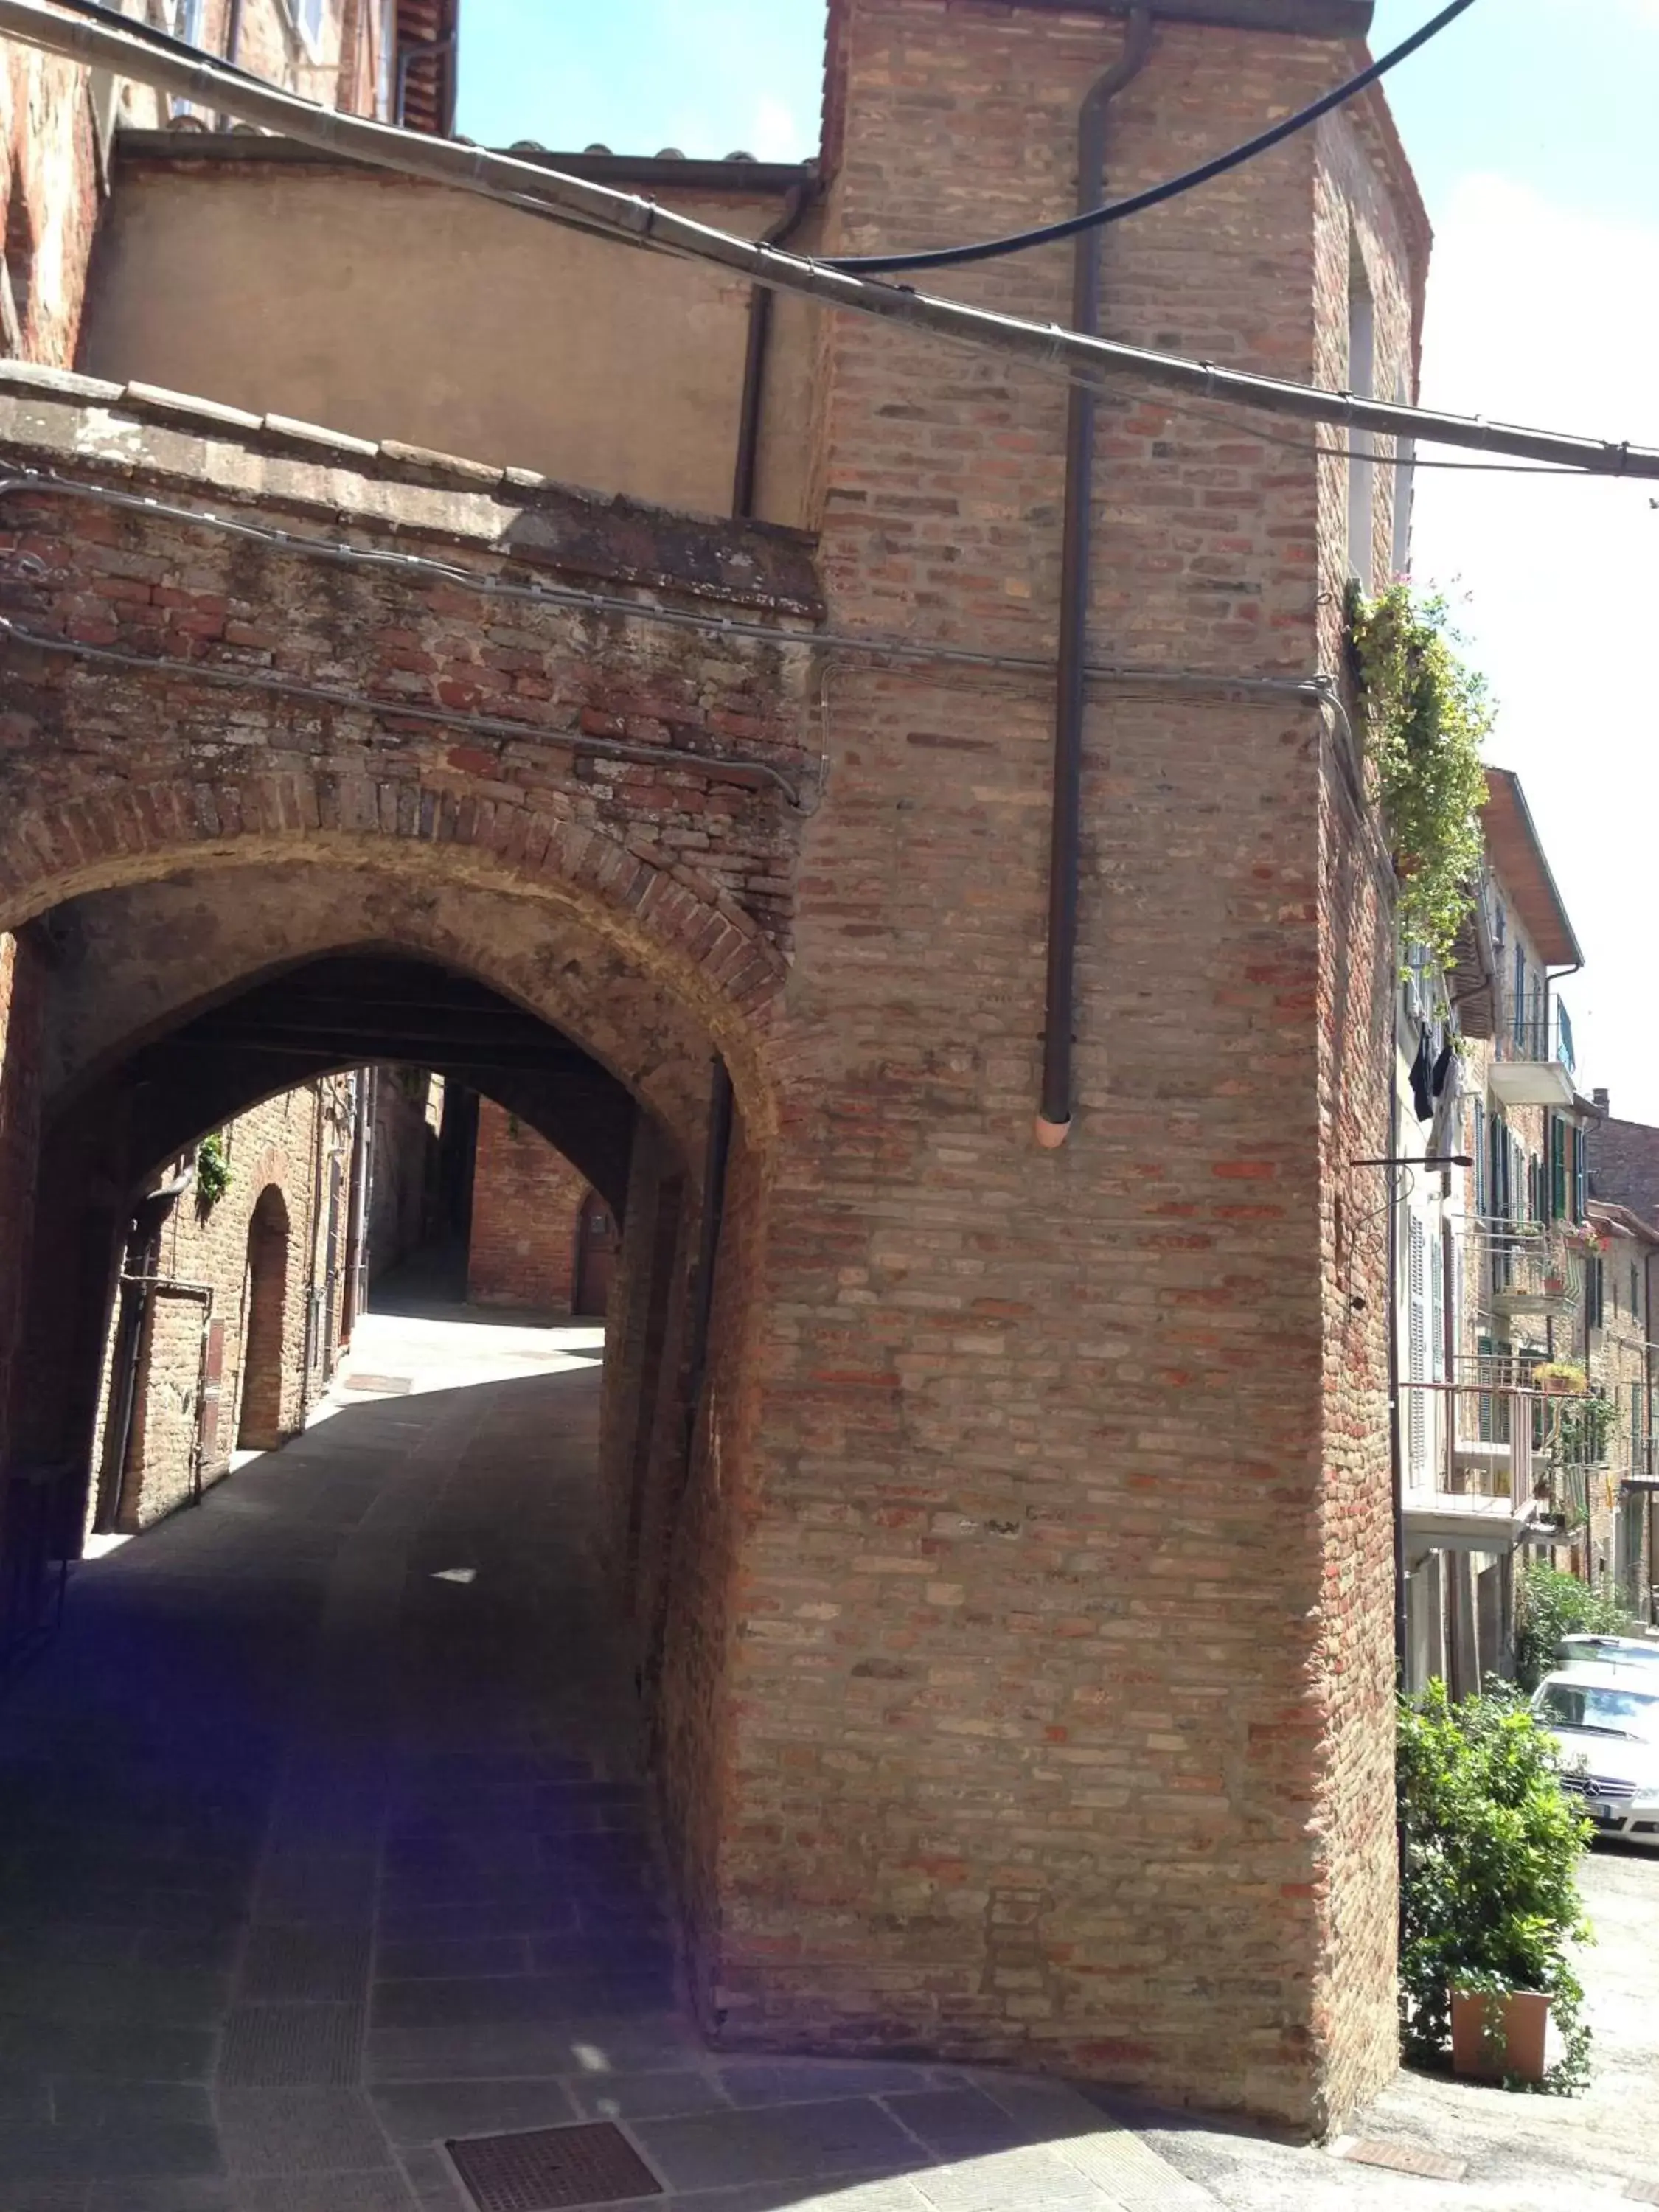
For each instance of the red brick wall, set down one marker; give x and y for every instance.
(261, 1250)
(1042, 1511)
(526, 1201)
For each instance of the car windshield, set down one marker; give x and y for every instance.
(1602, 1711)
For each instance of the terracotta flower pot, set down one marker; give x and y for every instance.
(1492, 2036)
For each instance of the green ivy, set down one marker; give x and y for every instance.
(1492, 1849)
(212, 1172)
(1425, 717)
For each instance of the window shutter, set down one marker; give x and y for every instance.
(1580, 1175)
(1437, 1307)
(1479, 1149)
(1417, 1332)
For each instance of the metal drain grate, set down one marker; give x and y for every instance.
(1405, 2157)
(389, 1386)
(552, 2168)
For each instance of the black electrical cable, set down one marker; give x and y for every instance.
(992, 249)
(135, 28)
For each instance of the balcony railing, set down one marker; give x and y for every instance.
(1490, 1461)
(1534, 1065)
(1533, 1025)
(1527, 1268)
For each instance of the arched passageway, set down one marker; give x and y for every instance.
(175, 1004)
(260, 1424)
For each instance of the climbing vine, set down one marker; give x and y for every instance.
(212, 1172)
(1424, 716)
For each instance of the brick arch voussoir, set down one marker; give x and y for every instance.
(709, 951)
(271, 1165)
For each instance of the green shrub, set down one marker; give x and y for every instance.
(1492, 1845)
(212, 1172)
(1549, 1605)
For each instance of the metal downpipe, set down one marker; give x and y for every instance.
(752, 405)
(1054, 1120)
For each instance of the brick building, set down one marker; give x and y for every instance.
(1495, 1261)
(1003, 1528)
(231, 1309)
(539, 1233)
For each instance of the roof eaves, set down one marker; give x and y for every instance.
(1555, 930)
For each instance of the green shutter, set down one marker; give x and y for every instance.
(1580, 1175)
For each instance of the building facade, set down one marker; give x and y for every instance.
(232, 1303)
(1495, 1264)
(1004, 1528)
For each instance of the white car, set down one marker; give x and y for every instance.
(1612, 1650)
(1605, 1720)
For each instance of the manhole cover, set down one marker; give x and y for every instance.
(389, 1386)
(1406, 2158)
(552, 2168)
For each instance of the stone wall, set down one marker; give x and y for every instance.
(526, 1208)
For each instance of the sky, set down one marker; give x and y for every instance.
(1530, 125)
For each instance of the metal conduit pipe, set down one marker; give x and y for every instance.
(753, 403)
(1054, 1120)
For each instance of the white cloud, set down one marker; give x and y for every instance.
(1541, 317)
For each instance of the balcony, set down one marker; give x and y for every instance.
(1530, 1268)
(1534, 1064)
(1474, 1478)
(1492, 1462)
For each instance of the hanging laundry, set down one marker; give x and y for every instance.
(1422, 1080)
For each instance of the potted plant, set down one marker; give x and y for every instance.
(1558, 1378)
(1490, 1904)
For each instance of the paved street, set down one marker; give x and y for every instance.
(325, 1847)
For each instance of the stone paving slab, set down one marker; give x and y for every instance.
(325, 1864)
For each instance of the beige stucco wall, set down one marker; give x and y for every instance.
(396, 310)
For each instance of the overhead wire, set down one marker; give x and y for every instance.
(631, 218)
(1050, 234)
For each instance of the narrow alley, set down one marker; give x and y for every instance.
(326, 1846)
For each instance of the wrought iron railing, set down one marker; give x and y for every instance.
(1534, 1024)
(1527, 1268)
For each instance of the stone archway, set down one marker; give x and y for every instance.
(260, 1426)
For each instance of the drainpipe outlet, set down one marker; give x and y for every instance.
(1051, 1135)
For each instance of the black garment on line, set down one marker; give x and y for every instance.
(1442, 1068)
(1422, 1077)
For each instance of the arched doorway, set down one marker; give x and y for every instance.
(264, 1305)
(597, 1241)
